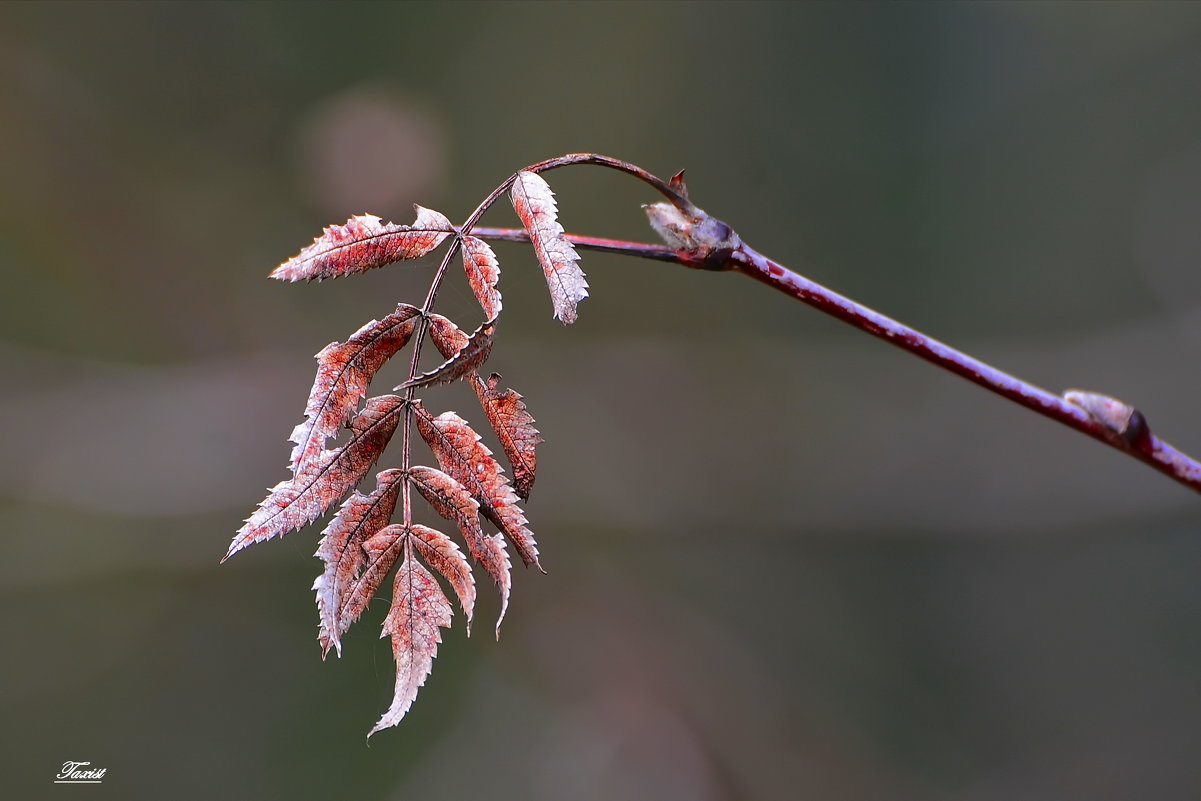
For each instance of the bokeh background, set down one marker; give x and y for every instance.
(785, 561)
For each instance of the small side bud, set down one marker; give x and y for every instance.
(707, 240)
(1120, 420)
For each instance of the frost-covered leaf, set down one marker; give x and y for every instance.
(440, 552)
(507, 413)
(380, 552)
(453, 502)
(461, 455)
(364, 242)
(324, 480)
(419, 609)
(341, 549)
(447, 337)
(514, 427)
(535, 205)
(483, 273)
(344, 370)
(463, 362)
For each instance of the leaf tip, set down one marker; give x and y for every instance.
(504, 607)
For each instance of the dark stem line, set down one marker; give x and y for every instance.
(1146, 448)
(406, 447)
(643, 250)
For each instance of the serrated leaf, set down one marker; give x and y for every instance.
(460, 364)
(380, 552)
(483, 273)
(419, 609)
(534, 203)
(440, 552)
(506, 411)
(323, 481)
(341, 549)
(344, 370)
(462, 455)
(514, 427)
(453, 502)
(364, 242)
(447, 337)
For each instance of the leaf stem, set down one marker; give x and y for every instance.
(1141, 444)
(640, 249)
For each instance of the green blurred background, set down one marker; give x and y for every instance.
(785, 561)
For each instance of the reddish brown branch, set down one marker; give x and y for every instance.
(640, 249)
(1137, 441)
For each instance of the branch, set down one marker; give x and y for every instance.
(1105, 419)
(641, 249)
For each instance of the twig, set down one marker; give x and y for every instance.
(1105, 419)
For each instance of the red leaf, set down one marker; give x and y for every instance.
(364, 242)
(341, 549)
(514, 427)
(440, 552)
(324, 480)
(343, 372)
(453, 502)
(535, 205)
(419, 608)
(462, 363)
(381, 550)
(448, 338)
(507, 413)
(461, 455)
(483, 273)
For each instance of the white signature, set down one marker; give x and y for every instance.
(79, 773)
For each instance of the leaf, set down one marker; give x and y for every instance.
(419, 609)
(483, 273)
(453, 502)
(344, 371)
(341, 549)
(507, 413)
(465, 362)
(448, 338)
(440, 552)
(514, 427)
(324, 480)
(380, 552)
(535, 205)
(364, 242)
(462, 456)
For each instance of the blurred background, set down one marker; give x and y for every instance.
(785, 561)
